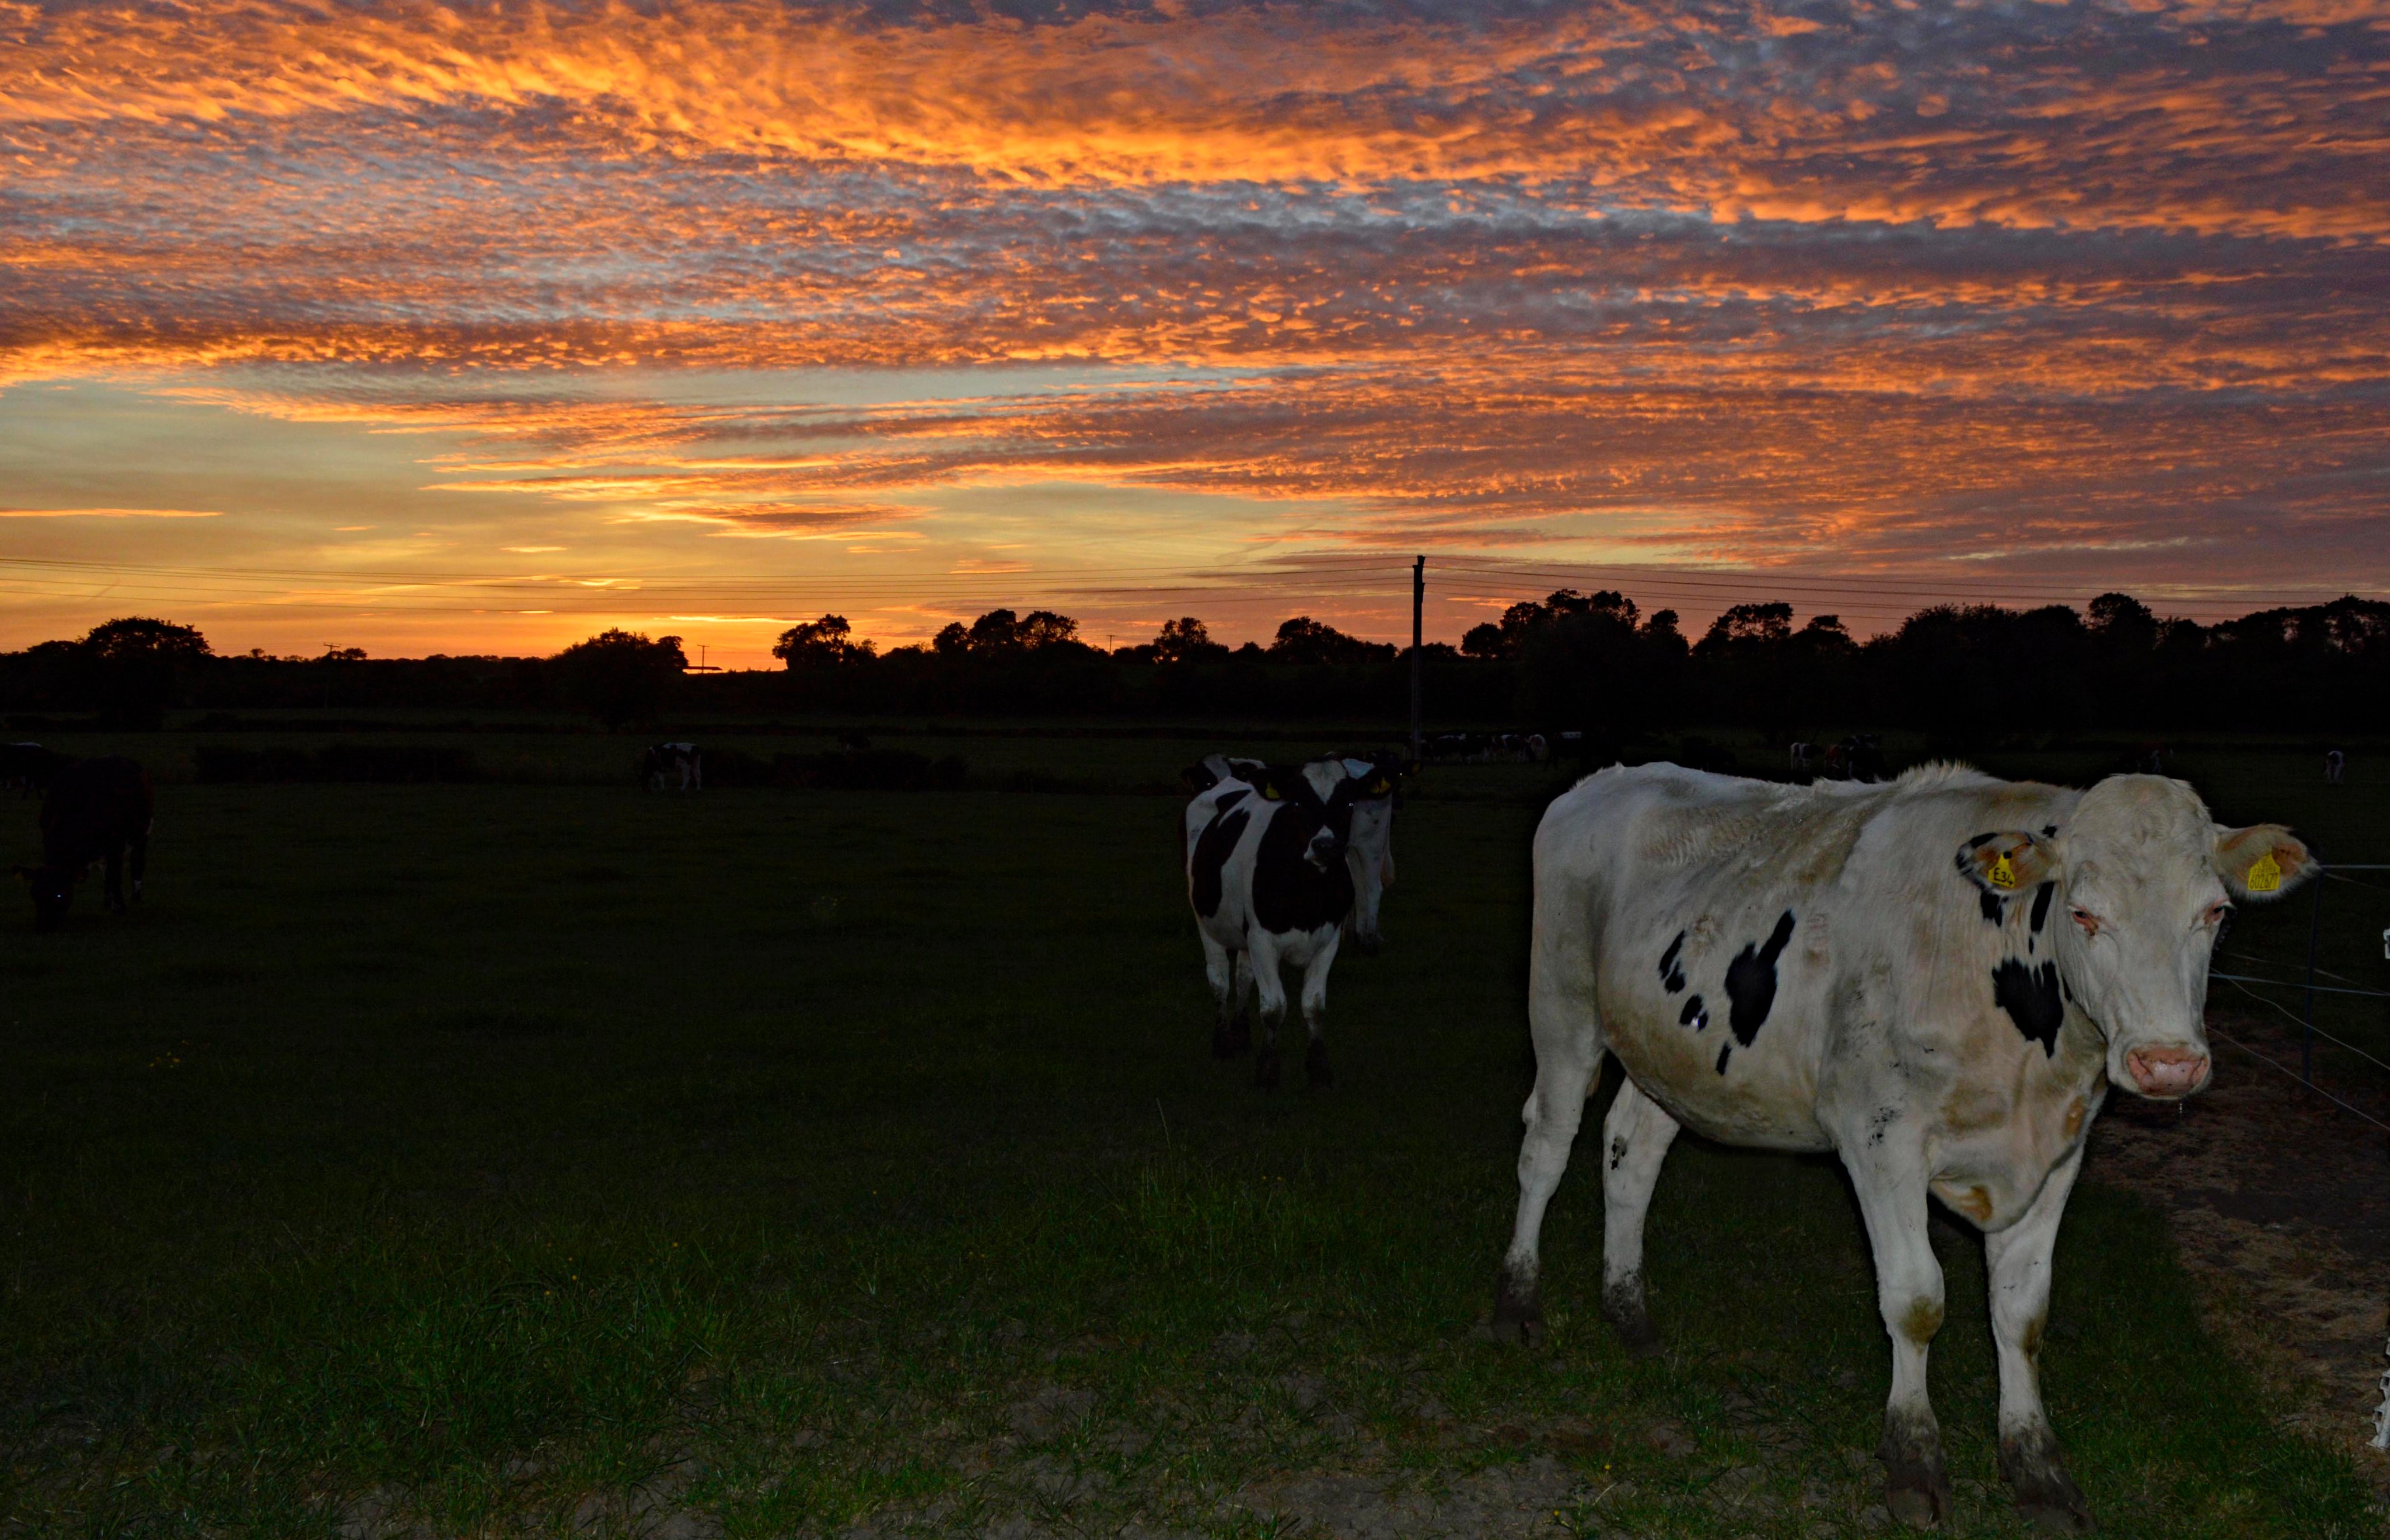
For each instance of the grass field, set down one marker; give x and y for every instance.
(511, 1158)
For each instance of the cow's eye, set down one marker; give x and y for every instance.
(2085, 918)
(2217, 913)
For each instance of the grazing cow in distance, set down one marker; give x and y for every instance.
(1803, 767)
(2335, 765)
(1270, 879)
(98, 810)
(27, 767)
(1938, 979)
(668, 763)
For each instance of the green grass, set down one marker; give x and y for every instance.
(499, 1153)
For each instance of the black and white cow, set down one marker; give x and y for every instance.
(1938, 979)
(677, 765)
(97, 811)
(1271, 876)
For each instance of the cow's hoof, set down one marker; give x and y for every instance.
(1917, 1482)
(1623, 1307)
(1314, 1067)
(1266, 1070)
(1518, 1313)
(2048, 1498)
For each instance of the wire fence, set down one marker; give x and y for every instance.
(2305, 1018)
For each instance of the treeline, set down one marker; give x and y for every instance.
(1965, 675)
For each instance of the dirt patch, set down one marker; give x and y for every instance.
(2281, 1203)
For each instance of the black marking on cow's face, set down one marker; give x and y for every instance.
(1880, 1119)
(1980, 840)
(2049, 831)
(1212, 849)
(1724, 1050)
(1694, 1016)
(2042, 905)
(1994, 910)
(1291, 892)
(1617, 1151)
(2030, 995)
(1671, 976)
(1750, 981)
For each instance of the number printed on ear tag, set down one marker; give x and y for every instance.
(2003, 875)
(2265, 875)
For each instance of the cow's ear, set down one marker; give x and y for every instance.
(2263, 861)
(2008, 860)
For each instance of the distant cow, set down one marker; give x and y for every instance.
(98, 810)
(2335, 766)
(1269, 875)
(25, 768)
(1803, 762)
(1938, 980)
(678, 765)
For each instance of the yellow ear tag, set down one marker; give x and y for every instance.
(1270, 793)
(2265, 875)
(2002, 874)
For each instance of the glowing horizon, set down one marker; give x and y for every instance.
(475, 331)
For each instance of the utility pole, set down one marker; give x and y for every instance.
(1419, 603)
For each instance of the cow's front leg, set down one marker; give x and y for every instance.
(1271, 991)
(1316, 1072)
(1635, 1140)
(2019, 1259)
(113, 891)
(1891, 1186)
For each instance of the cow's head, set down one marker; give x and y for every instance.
(52, 889)
(2141, 879)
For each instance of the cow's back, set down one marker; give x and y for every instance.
(1745, 941)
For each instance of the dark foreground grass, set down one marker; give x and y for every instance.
(492, 1160)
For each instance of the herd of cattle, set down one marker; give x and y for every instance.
(1937, 976)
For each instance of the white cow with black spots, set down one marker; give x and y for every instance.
(1273, 876)
(1937, 979)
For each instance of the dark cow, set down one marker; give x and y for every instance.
(98, 810)
(1267, 875)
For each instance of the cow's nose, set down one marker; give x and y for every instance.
(2166, 1072)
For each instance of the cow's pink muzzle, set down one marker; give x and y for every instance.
(2166, 1072)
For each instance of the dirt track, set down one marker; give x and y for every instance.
(2281, 1205)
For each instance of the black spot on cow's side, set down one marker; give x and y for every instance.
(2049, 831)
(1671, 976)
(1750, 981)
(2030, 995)
(1723, 1049)
(1994, 910)
(1289, 893)
(1694, 1016)
(2042, 905)
(1211, 848)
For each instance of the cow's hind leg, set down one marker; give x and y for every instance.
(1908, 1291)
(139, 862)
(1271, 990)
(114, 891)
(1635, 1141)
(1316, 1072)
(2018, 1259)
(1564, 1071)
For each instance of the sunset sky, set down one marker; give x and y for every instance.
(476, 328)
